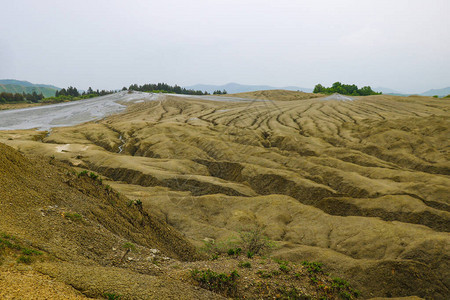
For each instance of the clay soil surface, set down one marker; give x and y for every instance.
(361, 186)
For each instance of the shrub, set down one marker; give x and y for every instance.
(250, 254)
(255, 241)
(236, 251)
(129, 246)
(217, 282)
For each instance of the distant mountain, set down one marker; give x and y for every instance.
(18, 86)
(233, 88)
(386, 90)
(440, 92)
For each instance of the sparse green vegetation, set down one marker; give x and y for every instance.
(292, 294)
(217, 282)
(75, 217)
(4, 243)
(313, 267)
(284, 268)
(24, 259)
(27, 251)
(339, 283)
(264, 274)
(10, 242)
(83, 173)
(94, 176)
(245, 264)
(138, 204)
(111, 296)
(345, 291)
(236, 251)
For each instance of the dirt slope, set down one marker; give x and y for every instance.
(77, 219)
(360, 185)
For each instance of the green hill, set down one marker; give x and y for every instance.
(16, 86)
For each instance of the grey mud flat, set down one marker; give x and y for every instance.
(69, 113)
(77, 112)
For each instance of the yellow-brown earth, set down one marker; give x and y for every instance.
(361, 186)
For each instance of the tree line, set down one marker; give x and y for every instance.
(20, 97)
(219, 92)
(345, 89)
(73, 92)
(164, 88)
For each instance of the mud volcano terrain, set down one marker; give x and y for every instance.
(362, 186)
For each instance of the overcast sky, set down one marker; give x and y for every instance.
(108, 44)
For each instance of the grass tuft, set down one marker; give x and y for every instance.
(217, 282)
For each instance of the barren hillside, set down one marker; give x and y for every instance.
(361, 185)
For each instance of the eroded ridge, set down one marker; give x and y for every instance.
(362, 185)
